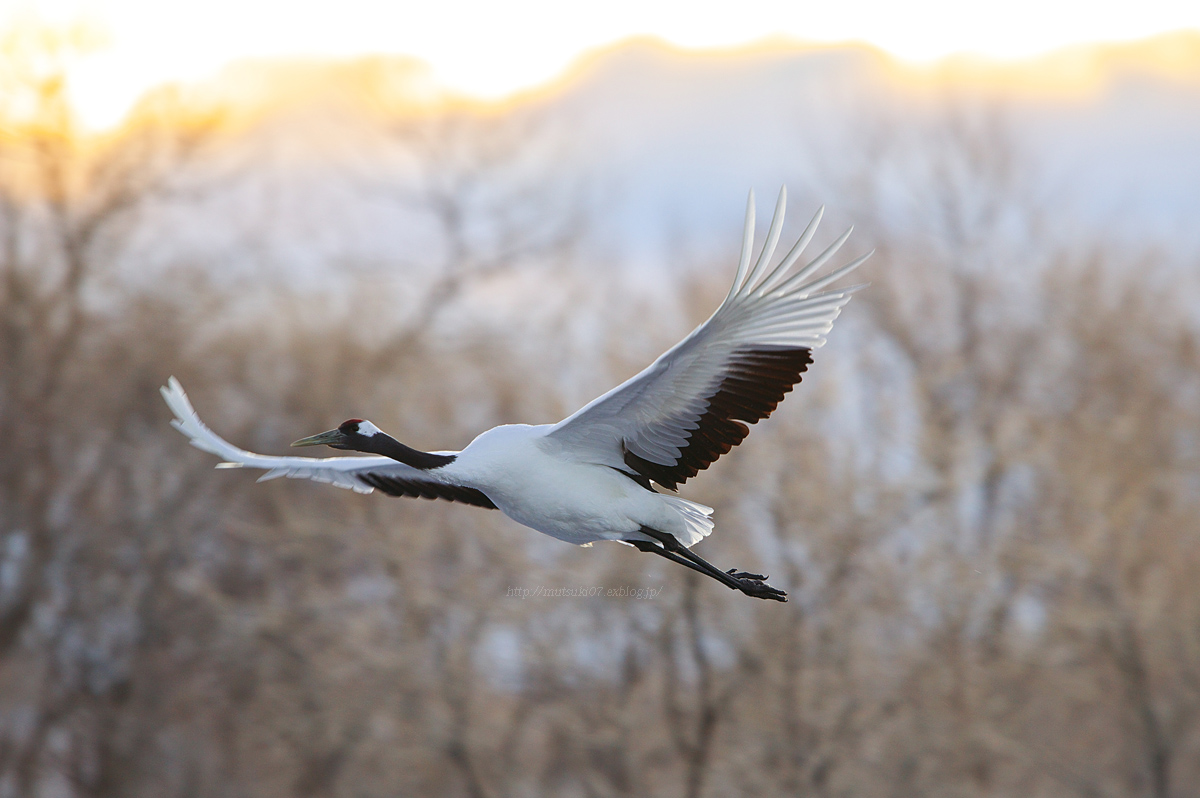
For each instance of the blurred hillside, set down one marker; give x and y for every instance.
(984, 499)
(1109, 130)
(669, 141)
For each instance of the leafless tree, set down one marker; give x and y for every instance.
(990, 564)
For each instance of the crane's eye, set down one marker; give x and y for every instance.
(350, 426)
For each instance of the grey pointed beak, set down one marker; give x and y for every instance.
(329, 438)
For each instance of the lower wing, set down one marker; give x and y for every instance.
(360, 474)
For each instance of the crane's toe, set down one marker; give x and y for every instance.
(736, 574)
(756, 586)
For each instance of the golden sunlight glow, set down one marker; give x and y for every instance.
(491, 49)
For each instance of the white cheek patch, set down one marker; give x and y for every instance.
(368, 429)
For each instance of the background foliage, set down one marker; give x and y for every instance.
(984, 500)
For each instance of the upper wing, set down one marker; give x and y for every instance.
(360, 474)
(685, 410)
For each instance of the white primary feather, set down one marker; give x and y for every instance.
(655, 414)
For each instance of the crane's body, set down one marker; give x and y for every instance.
(589, 477)
(539, 483)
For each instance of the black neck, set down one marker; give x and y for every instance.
(388, 446)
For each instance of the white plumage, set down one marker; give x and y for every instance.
(588, 477)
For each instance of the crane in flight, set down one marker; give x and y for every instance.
(591, 476)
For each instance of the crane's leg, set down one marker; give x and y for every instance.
(654, 548)
(751, 584)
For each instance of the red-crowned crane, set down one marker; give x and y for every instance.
(588, 477)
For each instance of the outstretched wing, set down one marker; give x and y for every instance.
(686, 409)
(360, 474)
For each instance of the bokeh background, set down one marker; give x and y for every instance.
(984, 499)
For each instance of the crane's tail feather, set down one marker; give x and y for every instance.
(697, 519)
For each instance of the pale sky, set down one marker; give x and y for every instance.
(491, 49)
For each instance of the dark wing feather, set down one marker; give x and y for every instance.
(415, 488)
(755, 383)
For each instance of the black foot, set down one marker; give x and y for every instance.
(756, 586)
(753, 585)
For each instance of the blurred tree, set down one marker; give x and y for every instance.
(71, 401)
(987, 519)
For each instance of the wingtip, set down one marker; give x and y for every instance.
(176, 398)
(172, 393)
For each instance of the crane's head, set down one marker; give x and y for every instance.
(363, 436)
(355, 435)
